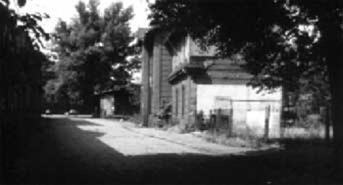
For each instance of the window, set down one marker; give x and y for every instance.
(176, 102)
(183, 100)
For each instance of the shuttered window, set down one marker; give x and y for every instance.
(182, 100)
(176, 102)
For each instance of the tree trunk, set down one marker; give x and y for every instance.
(335, 70)
(337, 116)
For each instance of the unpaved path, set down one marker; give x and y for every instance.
(130, 140)
(95, 151)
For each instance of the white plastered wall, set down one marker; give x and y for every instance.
(249, 107)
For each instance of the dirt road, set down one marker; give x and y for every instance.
(95, 151)
(130, 140)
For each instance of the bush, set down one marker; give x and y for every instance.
(162, 117)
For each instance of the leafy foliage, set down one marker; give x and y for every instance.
(92, 50)
(288, 43)
(28, 23)
(273, 36)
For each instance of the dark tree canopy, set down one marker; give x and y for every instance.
(273, 35)
(284, 42)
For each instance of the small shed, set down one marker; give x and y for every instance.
(118, 101)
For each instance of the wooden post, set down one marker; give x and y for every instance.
(266, 122)
(218, 119)
(230, 122)
(212, 120)
(327, 124)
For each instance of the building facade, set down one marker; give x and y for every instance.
(206, 91)
(155, 90)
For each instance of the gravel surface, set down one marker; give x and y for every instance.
(130, 140)
(72, 150)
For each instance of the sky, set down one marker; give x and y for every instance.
(65, 10)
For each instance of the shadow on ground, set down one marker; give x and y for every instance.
(57, 152)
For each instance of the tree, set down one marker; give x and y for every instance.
(20, 40)
(89, 48)
(281, 40)
(20, 62)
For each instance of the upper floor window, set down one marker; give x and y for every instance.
(183, 100)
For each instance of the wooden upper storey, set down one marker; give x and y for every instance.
(185, 49)
(188, 59)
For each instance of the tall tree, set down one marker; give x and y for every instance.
(281, 40)
(20, 60)
(88, 48)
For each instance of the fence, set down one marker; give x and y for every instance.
(259, 118)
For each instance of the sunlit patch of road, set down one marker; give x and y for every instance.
(130, 140)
